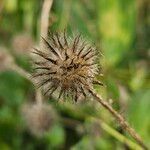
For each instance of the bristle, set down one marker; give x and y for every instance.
(65, 39)
(66, 55)
(82, 76)
(54, 41)
(60, 94)
(82, 48)
(50, 47)
(90, 50)
(44, 73)
(49, 89)
(44, 68)
(98, 82)
(75, 43)
(83, 92)
(44, 82)
(60, 44)
(43, 55)
(91, 56)
(39, 63)
(78, 39)
(53, 90)
(36, 51)
(76, 95)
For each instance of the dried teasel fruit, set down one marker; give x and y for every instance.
(39, 118)
(6, 60)
(22, 43)
(66, 65)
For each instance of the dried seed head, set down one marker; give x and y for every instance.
(22, 43)
(6, 60)
(39, 118)
(67, 65)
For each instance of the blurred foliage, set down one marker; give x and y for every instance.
(121, 30)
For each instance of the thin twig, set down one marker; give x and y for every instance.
(47, 4)
(22, 72)
(26, 75)
(124, 124)
(45, 17)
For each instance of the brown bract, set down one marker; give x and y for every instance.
(66, 65)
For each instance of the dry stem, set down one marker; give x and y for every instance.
(44, 30)
(45, 17)
(124, 124)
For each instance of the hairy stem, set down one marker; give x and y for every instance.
(124, 124)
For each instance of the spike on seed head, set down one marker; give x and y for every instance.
(67, 65)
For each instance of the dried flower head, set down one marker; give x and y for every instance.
(67, 65)
(39, 118)
(6, 60)
(22, 43)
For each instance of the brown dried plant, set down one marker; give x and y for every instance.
(67, 66)
(39, 118)
(6, 60)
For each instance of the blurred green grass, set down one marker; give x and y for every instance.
(120, 29)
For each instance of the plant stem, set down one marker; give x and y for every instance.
(71, 123)
(45, 17)
(25, 74)
(117, 135)
(124, 124)
(22, 72)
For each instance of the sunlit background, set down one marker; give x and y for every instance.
(121, 31)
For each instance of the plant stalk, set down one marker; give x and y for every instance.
(124, 124)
